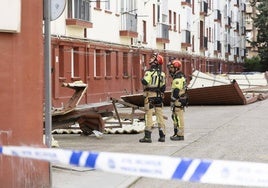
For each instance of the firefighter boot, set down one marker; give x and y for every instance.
(161, 136)
(147, 137)
(175, 133)
(176, 137)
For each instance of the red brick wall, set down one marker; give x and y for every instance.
(21, 98)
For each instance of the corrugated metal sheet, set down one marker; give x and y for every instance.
(127, 128)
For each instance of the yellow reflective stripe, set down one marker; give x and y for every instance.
(152, 78)
(178, 83)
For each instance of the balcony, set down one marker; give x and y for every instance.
(217, 16)
(128, 25)
(79, 15)
(236, 28)
(186, 38)
(227, 49)
(203, 43)
(217, 46)
(249, 9)
(162, 33)
(236, 51)
(186, 2)
(236, 3)
(249, 25)
(228, 22)
(78, 22)
(203, 8)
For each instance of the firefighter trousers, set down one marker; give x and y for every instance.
(159, 118)
(178, 120)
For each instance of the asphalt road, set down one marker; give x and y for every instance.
(236, 133)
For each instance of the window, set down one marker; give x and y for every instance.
(125, 64)
(154, 21)
(193, 7)
(144, 39)
(61, 61)
(128, 5)
(117, 64)
(179, 23)
(107, 5)
(188, 36)
(143, 62)
(107, 63)
(209, 34)
(79, 9)
(74, 62)
(174, 21)
(158, 13)
(192, 43)
(98, 5)
(97, 63)
(170, 18)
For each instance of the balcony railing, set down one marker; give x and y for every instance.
(128, 22)
(186, 36)
(162, 31)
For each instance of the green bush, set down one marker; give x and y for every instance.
(253, 64)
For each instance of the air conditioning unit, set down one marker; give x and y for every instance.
(138, 40)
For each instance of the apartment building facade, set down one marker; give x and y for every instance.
(251, 12)
(107, 44)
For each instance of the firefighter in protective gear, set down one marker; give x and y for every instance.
(178, 99)
(154, 82)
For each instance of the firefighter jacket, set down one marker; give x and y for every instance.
(178, 86)
(154, 80)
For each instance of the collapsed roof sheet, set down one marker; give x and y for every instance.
(209, 89)
(229, 94)
(244, 80)
(249, 80)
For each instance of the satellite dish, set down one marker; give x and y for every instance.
(57, 8)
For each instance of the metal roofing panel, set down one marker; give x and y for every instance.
(229, 94)
(217, 95)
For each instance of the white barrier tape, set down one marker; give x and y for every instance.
(162, 167)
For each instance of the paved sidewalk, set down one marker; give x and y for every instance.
(213, 132)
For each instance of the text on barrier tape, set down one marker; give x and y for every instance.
(162, 167)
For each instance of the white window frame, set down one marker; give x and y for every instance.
(95, 63)
(76, 11)
(72, 63)
(107, 5)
